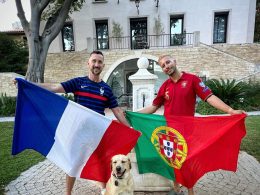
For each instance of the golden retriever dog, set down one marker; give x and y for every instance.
(121, 181)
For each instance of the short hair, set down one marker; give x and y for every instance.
(163, 56)
(97, 52)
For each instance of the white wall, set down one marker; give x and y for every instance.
(198, 16)
(251, 21)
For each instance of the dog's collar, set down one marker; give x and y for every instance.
(121, 177)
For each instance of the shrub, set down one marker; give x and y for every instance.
(205, 109)
(253, 95)
(230, 92)
(13, 55)
(7, 105)
(68, 96)
(239, 95)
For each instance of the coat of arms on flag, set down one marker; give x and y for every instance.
(171, 146)
(167, 145)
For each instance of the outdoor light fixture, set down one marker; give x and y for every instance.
(157, 3)
(137, 5)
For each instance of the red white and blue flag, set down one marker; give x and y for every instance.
(78, 140)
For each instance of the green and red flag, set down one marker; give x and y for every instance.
(184, 148)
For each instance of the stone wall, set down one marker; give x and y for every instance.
(62, 66)
(220, 61)
(203, 59)
(6, 83)
(249, 52)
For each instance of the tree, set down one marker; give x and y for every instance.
(55, 13)
(13, 55)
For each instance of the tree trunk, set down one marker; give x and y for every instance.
(37, 57)
(39, 44)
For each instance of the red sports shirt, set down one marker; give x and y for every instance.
(179, 98)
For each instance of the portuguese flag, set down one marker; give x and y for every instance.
(184, 148)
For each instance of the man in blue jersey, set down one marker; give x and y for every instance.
(91, 92)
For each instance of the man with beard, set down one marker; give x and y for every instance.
(89, 91)
(178, 96)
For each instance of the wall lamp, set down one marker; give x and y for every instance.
(137, 5)
(157, 3)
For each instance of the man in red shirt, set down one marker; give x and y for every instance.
(178, 96)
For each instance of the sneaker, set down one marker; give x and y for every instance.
(172, 192)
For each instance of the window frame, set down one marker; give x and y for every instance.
(140, 40)
(62, 36)
(177, 16)
(224, 14)
(100, 22)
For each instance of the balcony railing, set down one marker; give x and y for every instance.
(125, 100)
(144, 42)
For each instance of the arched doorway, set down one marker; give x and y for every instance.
(122, 87)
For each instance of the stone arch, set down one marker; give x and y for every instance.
(130, 57)
(119, 72)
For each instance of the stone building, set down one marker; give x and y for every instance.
(198, 33)
(213, 39)
(138, 24)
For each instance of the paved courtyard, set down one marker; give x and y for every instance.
(46, 178)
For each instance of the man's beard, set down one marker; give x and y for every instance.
(96, 71)
(170, 74)
(172, 71)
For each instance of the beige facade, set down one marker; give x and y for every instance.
(221, 61)
(6, 83)
(193, 15)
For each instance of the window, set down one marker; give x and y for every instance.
(68, 37)
(220, 27)
(176, 28)
(138, 32)
(102, 34)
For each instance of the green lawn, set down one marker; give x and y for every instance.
(251, 142)
(12, 166)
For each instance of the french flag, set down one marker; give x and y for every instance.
(78, 140)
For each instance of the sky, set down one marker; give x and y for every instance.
(8, 13)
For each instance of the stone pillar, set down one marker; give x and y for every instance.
(196, 38)
(89, 44)
(143, 87)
